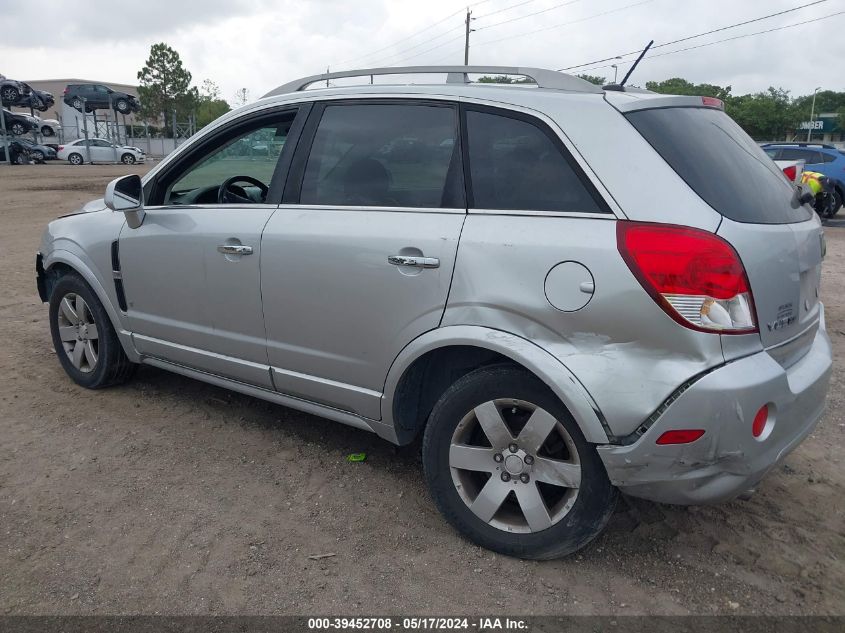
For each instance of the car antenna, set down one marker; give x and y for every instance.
(621, 85)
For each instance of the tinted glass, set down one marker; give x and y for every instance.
(721, 163)
(828, 158)
(382, 155)
(515, 165)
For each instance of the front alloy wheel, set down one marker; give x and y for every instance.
(83, 336)
(78, 332)
(508, 466)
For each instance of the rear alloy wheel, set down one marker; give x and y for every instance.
(510, 469)
(77, 103)
(837, 201)
(18, 129)
(83, 336)
(38, 156)
(122, 106)
(75, 159)
(10, 95)
(47, 131)
(127, 159)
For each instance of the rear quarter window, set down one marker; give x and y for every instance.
(721, 163)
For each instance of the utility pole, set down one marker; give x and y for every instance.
(466, 38)
(812, 112)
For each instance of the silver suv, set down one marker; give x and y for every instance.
(565, 291)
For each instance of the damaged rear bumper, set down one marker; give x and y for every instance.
(728, 460)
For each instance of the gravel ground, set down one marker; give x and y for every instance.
(170, 496)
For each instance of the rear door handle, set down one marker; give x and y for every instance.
(416, 262)
(234, 249)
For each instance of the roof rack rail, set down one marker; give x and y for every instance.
(803, 144)
(454, 75)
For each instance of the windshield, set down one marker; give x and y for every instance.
(721, 163)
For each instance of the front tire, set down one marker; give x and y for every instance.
(18, 129)
(122, 106)
(47, 131)
(38, 156)
(83, 336)
(127, 159)
(838, 196)
(509, 468)
(76, 103)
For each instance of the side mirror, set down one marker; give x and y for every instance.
(127, 196)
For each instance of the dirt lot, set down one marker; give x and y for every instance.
(170, 496)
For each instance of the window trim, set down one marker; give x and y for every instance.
(544, 128)
(455, 172)
(159, 183)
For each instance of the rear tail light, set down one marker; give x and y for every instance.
(713, 102)
(61, 147)
(790, 172)
(695, 276)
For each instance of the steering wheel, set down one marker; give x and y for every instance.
(238, 195)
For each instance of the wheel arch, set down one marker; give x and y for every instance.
(428, 365)
(62, 262)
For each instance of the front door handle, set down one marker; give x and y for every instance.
(234, 249)
(416, 262)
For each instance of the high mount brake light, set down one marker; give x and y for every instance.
(695, 276)
(713, 102)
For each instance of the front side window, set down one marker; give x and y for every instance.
(235, 170)
(515, 165)
(390, 155)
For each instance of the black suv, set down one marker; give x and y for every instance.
(98, 96)
(40, 100)
(11, 90)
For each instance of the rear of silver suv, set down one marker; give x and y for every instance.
(566, 291)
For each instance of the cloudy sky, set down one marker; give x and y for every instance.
(259, 44)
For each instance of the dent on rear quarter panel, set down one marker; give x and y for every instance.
(626, 352)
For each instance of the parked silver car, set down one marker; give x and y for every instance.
(565, 291)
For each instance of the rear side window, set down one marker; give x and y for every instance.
(810, 157)
(387, 155)
(515, 165)
(721, 163)
(828, 158)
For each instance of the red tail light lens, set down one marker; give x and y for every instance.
(61, 147)
(695, 276)
(790, 172)
(680, 436)
(713, 102)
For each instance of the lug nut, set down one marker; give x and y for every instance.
(529, 460)
(506, 477)
(498, 458)
(513, 448)
(524, 478)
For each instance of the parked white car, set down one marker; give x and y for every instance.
(49, 128)
(99, 150)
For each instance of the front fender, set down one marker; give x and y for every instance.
(522, 351)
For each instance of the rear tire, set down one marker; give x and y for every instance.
(47, 131)
(122, 106)
(542, 493)
(10, 95)
(75, 159)
(76, 103)
(38, 156)
(17, 129)
(83, 336)
(838, 196)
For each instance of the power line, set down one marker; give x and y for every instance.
(412, 35)
(730, 39)
(691, 37)
(527, 15)
(513, 6)
(556, 26)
